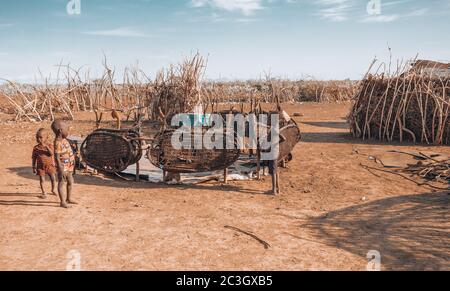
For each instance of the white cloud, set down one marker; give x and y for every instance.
(335, 10)
(418, 12)
(394, 17)
(246, 7)
(118, 32)
(343, 10)
(392, 3)
(381, 18)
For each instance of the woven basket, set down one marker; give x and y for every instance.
(291, 136)
(111, 151)
(164, 156)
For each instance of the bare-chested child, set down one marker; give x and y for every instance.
(43, 161)
(65, 162)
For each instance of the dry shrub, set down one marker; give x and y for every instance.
(178, 89)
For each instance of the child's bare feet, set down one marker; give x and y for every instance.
(270, 192)
(64, 205)
(43, 196)
(72, 202)
(54, 193)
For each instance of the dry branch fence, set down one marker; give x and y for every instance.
(177, 89)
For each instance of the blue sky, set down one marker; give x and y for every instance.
(327, 39)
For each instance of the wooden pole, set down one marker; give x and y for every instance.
(225, 176)
(258, 164)
(138, 170)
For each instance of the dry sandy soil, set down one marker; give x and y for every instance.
(330, 214)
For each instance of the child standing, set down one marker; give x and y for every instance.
(65, 162)
(43, 161)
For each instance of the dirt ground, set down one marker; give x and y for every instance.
(330, 214)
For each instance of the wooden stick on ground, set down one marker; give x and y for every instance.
(264, 243)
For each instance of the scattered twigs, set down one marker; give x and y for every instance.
(428, 168)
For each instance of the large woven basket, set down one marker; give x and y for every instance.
(111, 151)
(163, 155)
(290, 136)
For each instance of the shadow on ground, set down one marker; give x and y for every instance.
(411, 232)
(329, 124)
(341, 137)
(25, 172)
(28, 203)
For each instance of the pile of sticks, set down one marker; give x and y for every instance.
(402, 106)
(431, 170)
(178, 89)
